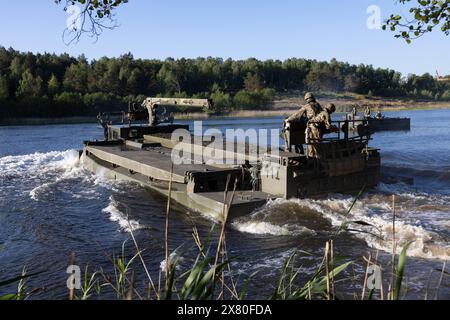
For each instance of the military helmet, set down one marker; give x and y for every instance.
(330, 107)
(309, 96)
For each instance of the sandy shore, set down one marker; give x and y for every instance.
(282, 106)
(286, 106)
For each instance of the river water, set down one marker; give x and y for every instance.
(50, 206)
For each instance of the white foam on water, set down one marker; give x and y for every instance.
(65, 166)
(270, 266)
(426, 244)
(87, 194)
(267, 228)
(37, 163)
(262, 222)
(404, 191)
(41, 170)
(102, 179)
(121, 218)
(39, 190)
(174, 256)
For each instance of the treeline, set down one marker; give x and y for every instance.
(49, 85)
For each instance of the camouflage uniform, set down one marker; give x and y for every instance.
(368, 112)
(379, 115)
(311, 109)
(317, 127)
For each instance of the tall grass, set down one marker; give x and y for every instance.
(319, 286)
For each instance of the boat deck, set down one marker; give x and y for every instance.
(154, 162)
(151, 167)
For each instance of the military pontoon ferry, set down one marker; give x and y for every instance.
(378, 124)
(143, 153)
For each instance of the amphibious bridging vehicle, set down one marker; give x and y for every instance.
(381, 124)
(143, 153)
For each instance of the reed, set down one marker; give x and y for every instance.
(393, 248)
(317, 287)
(203, 277)
(166, 231)
(20, 280)
(206, 275)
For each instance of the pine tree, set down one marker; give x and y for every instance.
(53, 85)
(4, 87)
(30, 86)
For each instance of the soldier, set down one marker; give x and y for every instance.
(354, 112)
(368, 112)
(311, 109)
(307, 112)
(104, 123)
(318, 126)
(379, 116)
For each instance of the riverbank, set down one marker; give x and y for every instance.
(282, 106)
(346, 101)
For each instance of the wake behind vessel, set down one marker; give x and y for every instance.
(144, 153)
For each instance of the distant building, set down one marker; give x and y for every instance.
(439, 78)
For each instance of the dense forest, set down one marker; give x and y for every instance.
(50, 85)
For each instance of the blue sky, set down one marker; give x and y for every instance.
(238, 29)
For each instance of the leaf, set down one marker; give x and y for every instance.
(400, 270)
(363, 223)
(245, 286)
(170, 282)
(12, 280)
(8, 297)
(193, 277)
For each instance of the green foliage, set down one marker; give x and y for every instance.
(400, 271)
(101, 102)
(289, 285)
(169, 79)
(201, 279)
(424, 17)
(181, 95)
(327, 77)
(99, 9)
(76, 78)
(426, 94)
(32, 84)
(4, 87)
(222, 101)
(53, 85)
(69, 103)
(254, 99)
(252, 82)
(20, 280)
(95, 15)
(134, 81)
(16, 68)
(245, 100)
(446, 95)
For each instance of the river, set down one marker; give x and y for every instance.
(50, 206)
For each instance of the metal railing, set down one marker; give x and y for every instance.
(343, 134)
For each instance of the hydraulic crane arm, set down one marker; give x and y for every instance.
(153, 103)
